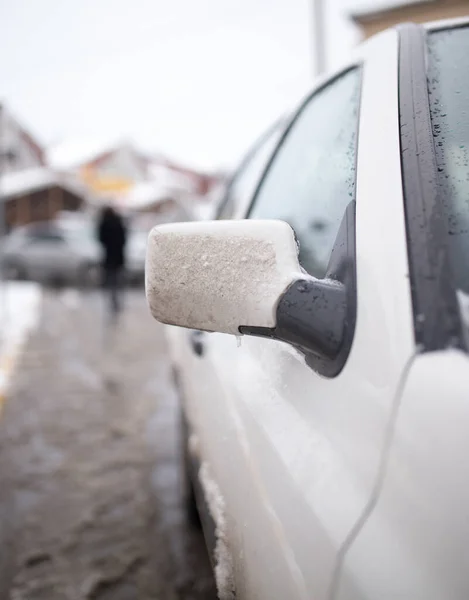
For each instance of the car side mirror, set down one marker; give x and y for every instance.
(241, 277)
(220, 275)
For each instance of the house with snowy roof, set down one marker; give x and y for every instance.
(38, 194)
(151, 186)
(105, 168)
(29, 190)
(19, 149)
(375, 19)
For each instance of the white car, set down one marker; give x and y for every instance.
(327, 416)
(65, 251)
(51, 251)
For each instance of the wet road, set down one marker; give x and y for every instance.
(90, 445)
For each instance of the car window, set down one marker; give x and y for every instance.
(42, 233)
(311, 180)
(448, 87)
(246, 179)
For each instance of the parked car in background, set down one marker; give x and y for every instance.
(52, 252)
(65, 251)
(328, 445)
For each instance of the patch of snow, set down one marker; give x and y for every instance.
(146, 194)
(224, 571)
(171, 178)
(28, 180)
(19, 314)
(76, 152)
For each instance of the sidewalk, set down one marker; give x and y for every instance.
(90, 435)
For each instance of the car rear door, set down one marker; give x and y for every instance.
(294, 449)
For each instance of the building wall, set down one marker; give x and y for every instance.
(14, 138)
(41, 205)
(418, 13)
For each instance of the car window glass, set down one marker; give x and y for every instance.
(246, 180)
(448, 87)
(41, 234)
(311, 180)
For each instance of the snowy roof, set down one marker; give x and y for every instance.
(145, 194)
(375, 12)
(32, 180)
(22, 132)
(74, 153)
(28, 180)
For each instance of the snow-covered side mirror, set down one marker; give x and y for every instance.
(243, 277)
(220, 276)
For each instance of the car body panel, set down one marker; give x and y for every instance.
(295, 456)
(414, 543)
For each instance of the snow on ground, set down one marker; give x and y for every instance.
(19, 314)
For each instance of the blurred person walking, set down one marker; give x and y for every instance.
(112, 235)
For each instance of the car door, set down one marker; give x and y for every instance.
(293, 448)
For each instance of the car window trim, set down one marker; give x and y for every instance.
(437, 321)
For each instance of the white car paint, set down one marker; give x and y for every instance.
(342, 488)
(300, 438)
(415, 543)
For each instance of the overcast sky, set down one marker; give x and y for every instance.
(196, 79)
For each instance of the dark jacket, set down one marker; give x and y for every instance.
(112, 235)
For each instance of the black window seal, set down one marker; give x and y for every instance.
(437, 323)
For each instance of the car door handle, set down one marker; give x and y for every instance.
(197, 342)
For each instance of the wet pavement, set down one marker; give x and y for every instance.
(89, 441)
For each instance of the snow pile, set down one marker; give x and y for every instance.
(19, 314)
(224, 572)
